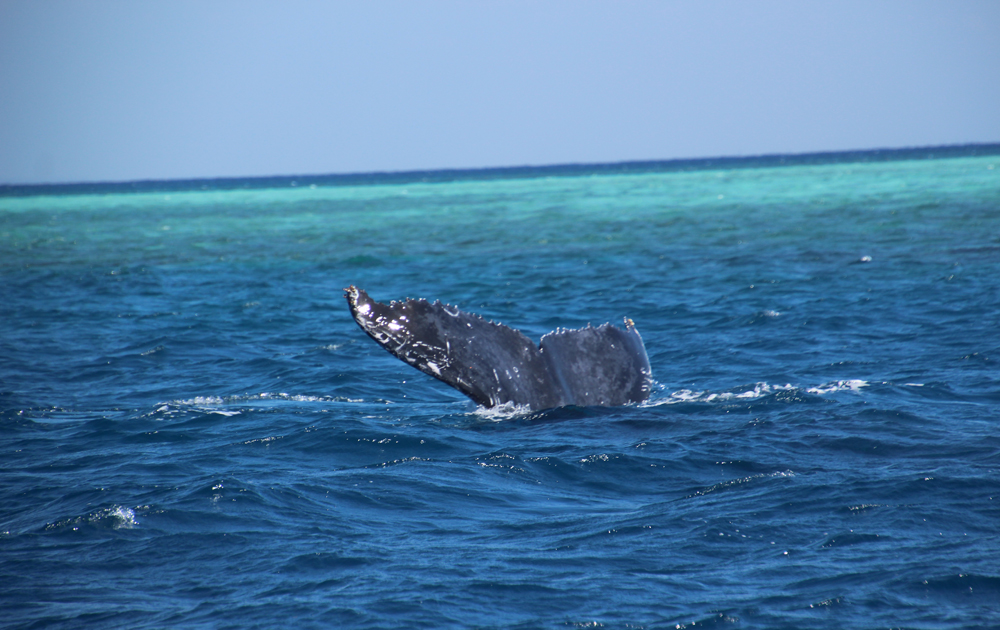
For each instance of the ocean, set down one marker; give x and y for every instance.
(194, 433)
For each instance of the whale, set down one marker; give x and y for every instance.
(494, 364)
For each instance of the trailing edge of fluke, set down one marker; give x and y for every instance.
(494, 364)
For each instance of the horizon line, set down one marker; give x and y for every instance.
(886, 154)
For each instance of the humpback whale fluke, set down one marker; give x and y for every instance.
(493, 364)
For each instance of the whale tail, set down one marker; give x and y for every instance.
(494, 364)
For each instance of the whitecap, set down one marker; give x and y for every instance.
(852, 385)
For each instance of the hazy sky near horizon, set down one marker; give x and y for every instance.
(118, 90)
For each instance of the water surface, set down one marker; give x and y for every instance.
(196, 434)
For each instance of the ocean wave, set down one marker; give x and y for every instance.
(110, 518)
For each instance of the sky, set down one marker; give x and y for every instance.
(104, 90)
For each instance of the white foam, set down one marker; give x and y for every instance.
(296, 398)
(502, 412)
(758, 390)
(687, 395)
(266, 440)
(212, 401)
(208, 404)
(852, 385)
(117, 516)
(200, 400)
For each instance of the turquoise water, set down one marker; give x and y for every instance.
(197, 434)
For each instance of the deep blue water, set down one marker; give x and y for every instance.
(196, 434)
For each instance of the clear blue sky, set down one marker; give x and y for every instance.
(124, 90)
